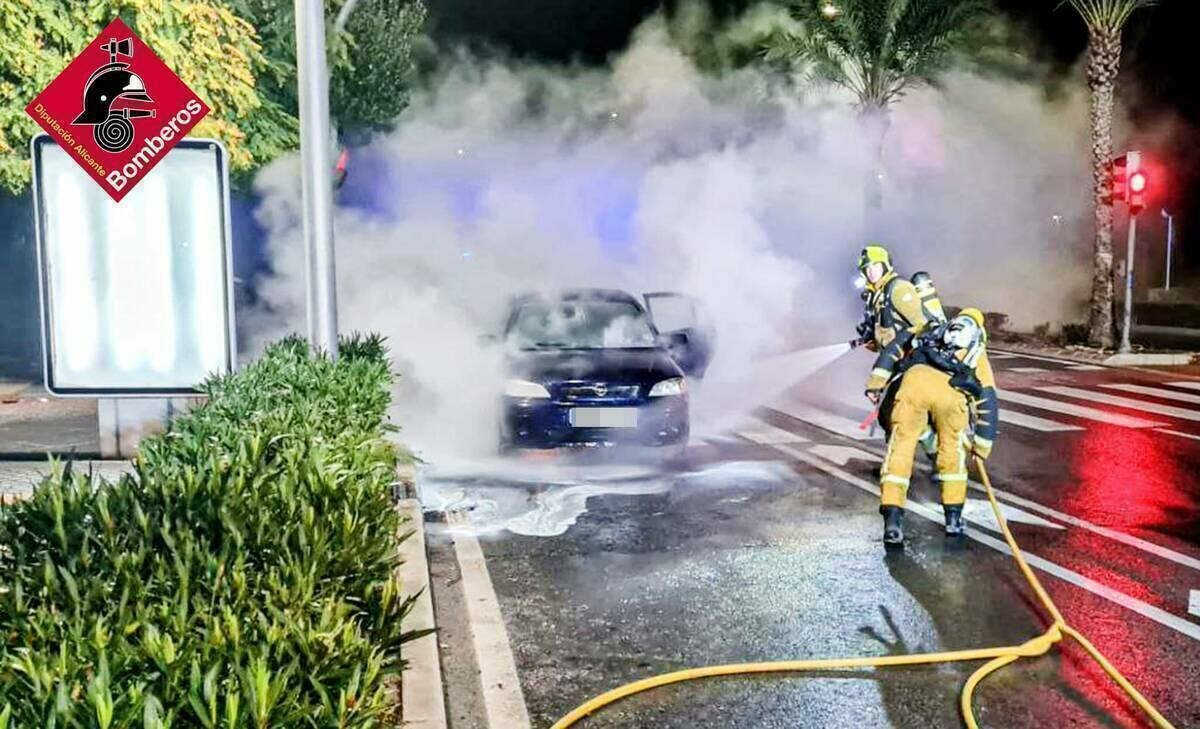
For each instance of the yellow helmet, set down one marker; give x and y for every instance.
(874, 253)
(975, 314)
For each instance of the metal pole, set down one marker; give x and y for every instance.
(1125, 345)
(313, 83)
(1170, 243)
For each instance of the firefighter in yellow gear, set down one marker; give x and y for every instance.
(947, 379)
(893, 302)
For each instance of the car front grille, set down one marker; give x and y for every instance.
(598, 392)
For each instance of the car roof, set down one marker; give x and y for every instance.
(577, 294)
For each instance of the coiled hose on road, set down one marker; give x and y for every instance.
(999, 656)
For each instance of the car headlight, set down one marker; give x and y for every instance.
(673, 386)
(525, 389)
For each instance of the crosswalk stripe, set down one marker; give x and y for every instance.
(1033, 422)
(1189, 385)
(767, 434)
(1157, 392)
(822, 419)
(1011, 417)
(1124, 402)
(1066, 408)
(1178, 433)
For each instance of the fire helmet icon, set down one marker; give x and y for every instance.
(111, 127)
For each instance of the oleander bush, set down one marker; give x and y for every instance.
(241, 577)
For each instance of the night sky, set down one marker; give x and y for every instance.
(1160, 75)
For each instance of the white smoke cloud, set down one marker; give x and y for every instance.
(650, 175)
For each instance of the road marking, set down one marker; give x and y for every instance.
(1066, 408)
(1178, 433)
(980, 512)
(1027, 370)
(1126, 539)
(992, 354)
(1035, 423)
(1194, 603)
(1086, 368)
(1001, 355)
(1157, 392)
(823, 419)
(1122, 537)
(767, 434)
(503, 700)
(1124, 402)
(1158, 615)
(841, 455)
(1189, 385)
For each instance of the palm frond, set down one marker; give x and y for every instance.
(1107, 15)
(879, 48)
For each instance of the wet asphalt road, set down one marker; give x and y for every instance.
(766, 545)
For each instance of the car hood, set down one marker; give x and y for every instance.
(647, 365)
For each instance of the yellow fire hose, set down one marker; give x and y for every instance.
(999, 656)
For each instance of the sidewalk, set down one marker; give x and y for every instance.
(17, 478)
(33, 424)
(1141, 356)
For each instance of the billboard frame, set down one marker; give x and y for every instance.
(38, 143)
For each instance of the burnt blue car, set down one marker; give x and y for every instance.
(588, 367)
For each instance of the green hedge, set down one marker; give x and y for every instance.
(241, 578)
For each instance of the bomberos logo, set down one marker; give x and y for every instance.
(126, 109)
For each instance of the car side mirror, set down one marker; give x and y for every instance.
(677, 339)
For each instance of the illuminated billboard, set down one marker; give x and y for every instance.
(137, 296)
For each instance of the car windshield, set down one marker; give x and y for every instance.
(581, 324)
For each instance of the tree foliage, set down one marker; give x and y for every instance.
(239, 56)
(877, 49)
(1108, 15)
(213, 50)
(370, 60)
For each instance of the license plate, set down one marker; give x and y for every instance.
(604, 417)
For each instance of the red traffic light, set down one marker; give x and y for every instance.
(1137, 182)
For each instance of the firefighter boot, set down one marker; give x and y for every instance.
(893, 525)
(954, 521)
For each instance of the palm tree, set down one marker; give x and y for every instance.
(1105, 19)
(877, 50)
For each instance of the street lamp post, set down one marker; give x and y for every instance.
(1170, 243)
(313, 86)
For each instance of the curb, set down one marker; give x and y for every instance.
(1143, 360)
(422, 699)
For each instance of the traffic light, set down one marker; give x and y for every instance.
(1117, 178)
(1137, 189)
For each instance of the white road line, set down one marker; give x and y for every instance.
(767, 434)
(1158, 615)
(1124, 402)
(1035, 423)
(1157, 392)
(1194, 603)
(1066, 408)
(1116, 536)
(1027, 370)
(1178, 433)
(992, 354)
(824, 419)
(1001, 355)
(503, 700)
(1087, 368)
(1189, 385)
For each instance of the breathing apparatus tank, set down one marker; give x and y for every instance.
(931, 304)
